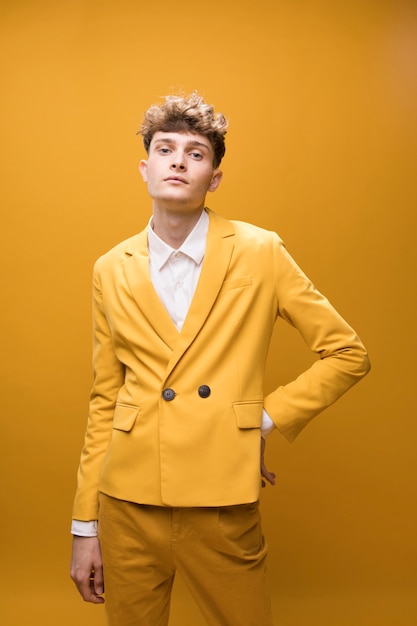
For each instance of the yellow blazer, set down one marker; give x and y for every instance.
(175, 417)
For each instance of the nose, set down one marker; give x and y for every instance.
(178, 162)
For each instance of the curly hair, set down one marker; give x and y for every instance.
(186, 114)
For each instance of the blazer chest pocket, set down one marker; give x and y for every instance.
(248, 414)
(236, 283)
(125, 417)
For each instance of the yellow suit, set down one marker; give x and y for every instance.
(175, 417)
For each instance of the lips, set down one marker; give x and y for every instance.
(178, 179)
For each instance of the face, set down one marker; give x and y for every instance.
(179, 171)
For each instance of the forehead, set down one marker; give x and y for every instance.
(182, 139)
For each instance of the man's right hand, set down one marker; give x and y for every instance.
(87, 568)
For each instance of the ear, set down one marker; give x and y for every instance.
(143, 169)
(216, 180)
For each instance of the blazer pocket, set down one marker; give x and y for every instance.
(235, 283)
(248, 414)
(125, 417)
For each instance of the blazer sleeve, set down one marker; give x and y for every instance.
(342, 361)
(108, 378)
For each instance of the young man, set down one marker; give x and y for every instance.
(173, 457)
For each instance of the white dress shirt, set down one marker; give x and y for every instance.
(174, 275)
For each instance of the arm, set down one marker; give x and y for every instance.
(342, 361)
(86, 563)
(108, 379)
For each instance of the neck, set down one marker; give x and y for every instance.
(174, 228)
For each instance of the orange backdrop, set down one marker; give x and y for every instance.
(322, 101)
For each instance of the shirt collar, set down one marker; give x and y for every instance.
(194, 246)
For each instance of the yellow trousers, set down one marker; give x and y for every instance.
(219, 551)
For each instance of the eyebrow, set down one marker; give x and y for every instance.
(191, 142)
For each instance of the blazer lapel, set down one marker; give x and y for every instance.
(216, 261)
(136, 270)
(219, 248)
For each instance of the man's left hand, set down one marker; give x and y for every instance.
(269, 476)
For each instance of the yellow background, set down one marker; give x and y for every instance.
(322, 102)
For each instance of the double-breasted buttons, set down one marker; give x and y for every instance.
(204, 391)
(168, 394)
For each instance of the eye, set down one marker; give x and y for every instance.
(196, 155)
(164, 150)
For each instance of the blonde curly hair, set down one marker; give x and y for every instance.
(186, 114)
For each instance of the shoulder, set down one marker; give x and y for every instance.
(257, 239)
(246, 230)
(122, 251)
(243, 231)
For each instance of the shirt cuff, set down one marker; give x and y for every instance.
(267, 425)
(84, 529)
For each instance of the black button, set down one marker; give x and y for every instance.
(168, 394)
(204, 391)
